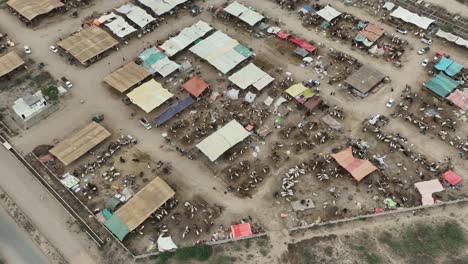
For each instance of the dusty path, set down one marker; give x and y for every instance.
(88, 87)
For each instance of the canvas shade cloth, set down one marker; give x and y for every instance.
(126, 77)
(149, 95)
(144, 203)
(9, 63)
(296, 89)
(441, 85)
(78, 144)
(195, 86)
(241, 230)
(251, 75)
(223, 139)
(427, 188)
(358, 168)
(451, 177)
(30, 9)
(328, 13)
(243, 13)
(88, 43)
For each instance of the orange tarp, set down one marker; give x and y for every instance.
(358, 168)
(372, 32)
(195, 86)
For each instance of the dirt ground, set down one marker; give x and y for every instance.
(199, 178)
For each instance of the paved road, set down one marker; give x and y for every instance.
(15, 245)
(45, 213)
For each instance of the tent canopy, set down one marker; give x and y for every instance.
(78, 144)
(251, 75)
(459, 98)
(296, 89)
(221, 51)
(174, 109)
(451, 177)
(31, 9)
(160, 7)
(195, 86)
(303, 44)
(117, 227)
(441, 85)
(410, 17)
(328, 13)
(88, 43)
(144, 203)
(149, 95)
(186, 37)
(9, 63)
(427, 188)
(155, 61)
(243, 13)
(126, 77)
(241, 230)
(136, 14)
(358, 168)
(223, 139)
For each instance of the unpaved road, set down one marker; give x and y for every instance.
(45, 213)
(15, 245)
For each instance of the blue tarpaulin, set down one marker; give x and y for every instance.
(453, 69)
(173, 110)
(308, 7)
(450, 67)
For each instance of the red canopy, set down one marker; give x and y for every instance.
(282, 35)
(313, 102)
(451, 177)
(195, 86)
(241, 230)
(303, 44)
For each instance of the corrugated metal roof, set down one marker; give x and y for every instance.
(174, 109)
(120, 27)
(126, 77)
(10, 62)
(161, 7)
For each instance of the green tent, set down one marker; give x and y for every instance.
(243, 50)
(117, 227)
(441, 85)
(111, 203)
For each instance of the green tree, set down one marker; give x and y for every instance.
(51, 93)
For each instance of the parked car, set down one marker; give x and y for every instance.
(196, 10)
(127, 101)
(67, 83)
(401, 30)
(426, 41)
(423, 50)
(425, 62)
(145, 123)
(27, 50)
(53, 49)
(311, 83)
(390, 103)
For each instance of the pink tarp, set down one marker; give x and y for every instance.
(459, 99)
(427, 188)
(241, 230)
(451, 177)
(303, 44)
(282, 35)
(358, 168)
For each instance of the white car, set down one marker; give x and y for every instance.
(390, 103)
(425, 62)
(27, 50)
(53, 49)
(67, 83)
(426, 41)
(145, 123)
(423, 51)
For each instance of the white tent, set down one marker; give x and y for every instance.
(220, 141)
(165, 244)
(452, 38)
(251, 75)
(120, 27)
(243, 13)
(410, 17)
(186, 37)
(328, 13)
(250, 97)
(221, 51)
